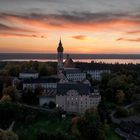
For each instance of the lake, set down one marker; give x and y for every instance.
(108, 61)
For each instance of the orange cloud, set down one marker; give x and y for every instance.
(79, 37)
(133, 32)
(126, 39)
(20, 35)
(79, 21)
(36, 25)
(6, 28)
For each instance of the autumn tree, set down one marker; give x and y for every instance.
(12, 92)
(116, 83)
(120, 96)
(89, 126)
(8, 135)
(6, 98)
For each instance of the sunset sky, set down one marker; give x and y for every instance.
(85, 26)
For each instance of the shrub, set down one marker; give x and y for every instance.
(122, 112)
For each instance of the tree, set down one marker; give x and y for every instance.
(29, 97)
(106, 128)
(8, 135)
(3, 72)
(38, 90)
(74, 129)
(6, 98)
(120, 96)
(116, 83)
(89, 126)
(51, 105)
(109, 94)
(122, 112)
(104, 80)
(58, 135)
(12, 92)
(42, 70)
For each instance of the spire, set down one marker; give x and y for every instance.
(60, 47)
(60, 41)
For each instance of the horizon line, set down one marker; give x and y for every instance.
(71, 53)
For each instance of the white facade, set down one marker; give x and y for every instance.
(76, 76)
(97, 74)
(73, 102)
(28, 75)
(33, 86)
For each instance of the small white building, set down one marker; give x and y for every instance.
(74, 74)
(97, 74)
(47, 83)
(29, 74)
(76, 97)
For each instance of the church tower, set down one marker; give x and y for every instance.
(60, 50)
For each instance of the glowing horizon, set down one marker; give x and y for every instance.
(30, 27)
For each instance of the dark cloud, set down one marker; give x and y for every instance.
(9, 29)
(20, 35)
(69, 20)
(77, 17)
(53, 0)
(34, 1)
(3, 27)
(126, 39)
(84, 17)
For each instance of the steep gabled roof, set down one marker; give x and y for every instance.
(82, 89)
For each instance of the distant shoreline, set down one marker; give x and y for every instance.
(5, 56)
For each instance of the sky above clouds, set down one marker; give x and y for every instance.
(85, 26)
